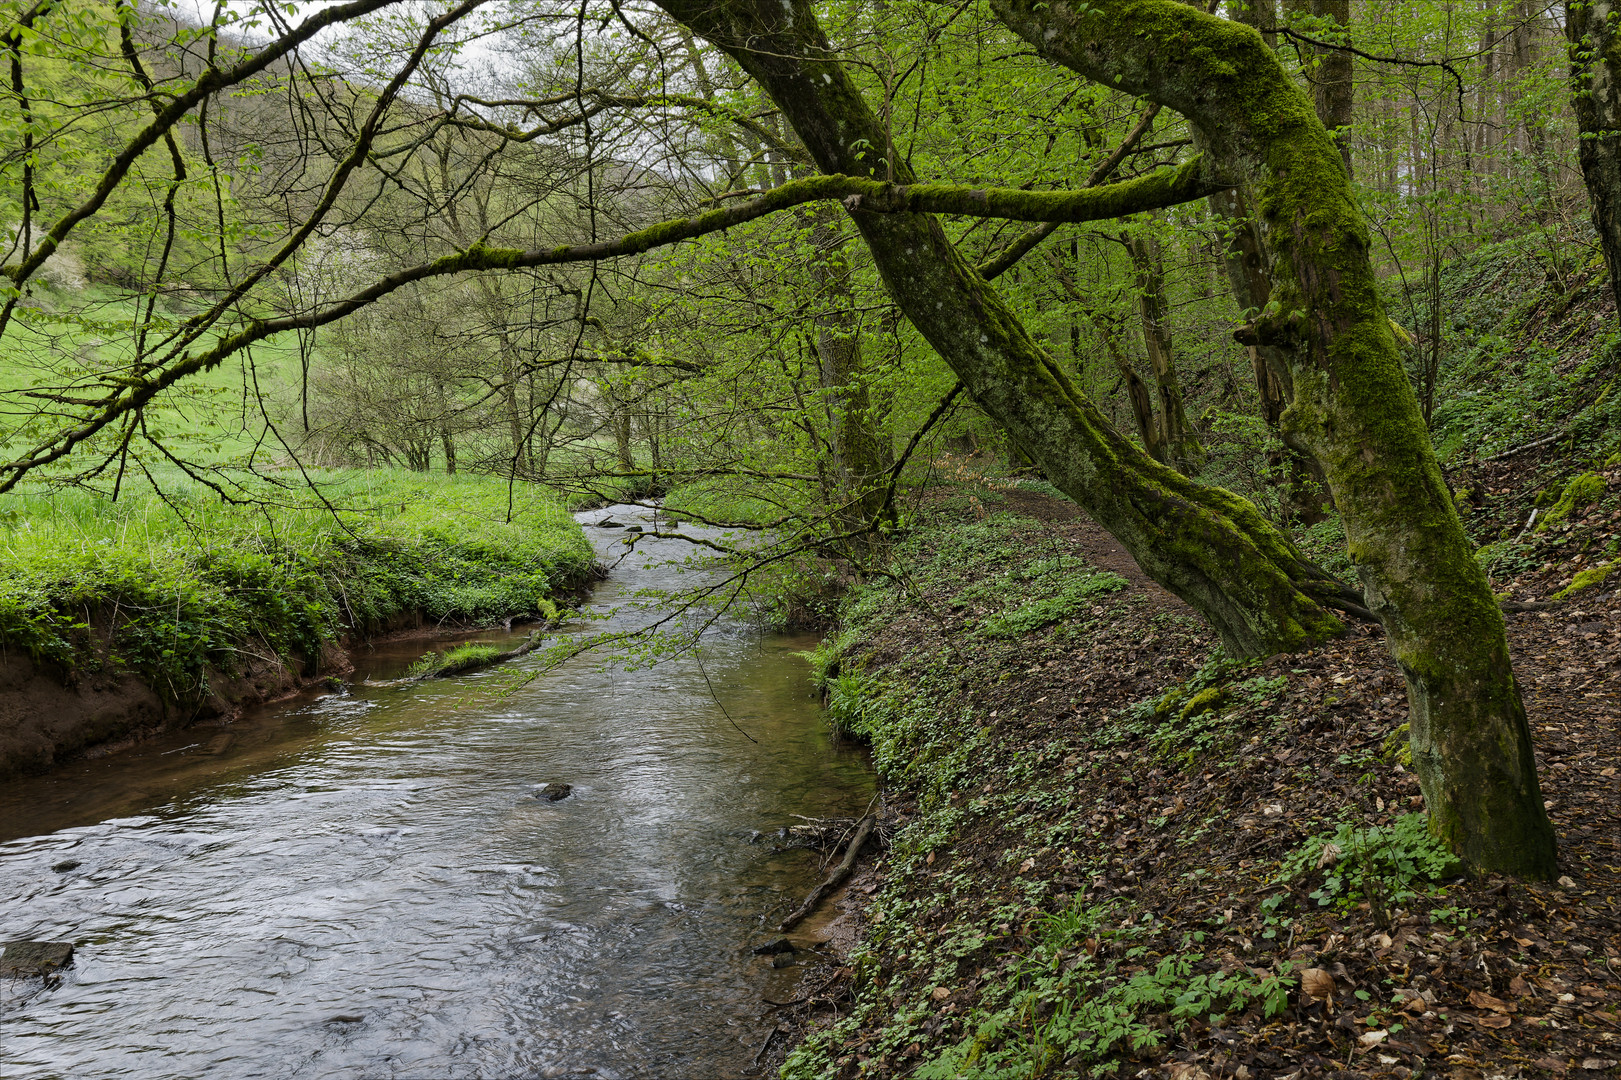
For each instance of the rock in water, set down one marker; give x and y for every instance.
(773, 948)
(609, 523)
(553, 792)
(24, 958)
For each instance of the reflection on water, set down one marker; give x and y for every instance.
(361, 884)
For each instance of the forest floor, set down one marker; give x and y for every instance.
(1114, 856)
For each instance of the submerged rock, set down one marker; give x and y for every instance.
(609, 523)
(65, 865)
(24, 958)
(554, 792)
(773, 948)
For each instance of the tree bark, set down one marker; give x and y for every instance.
(1353, 404)
(1210, 547)
(1300, 477)
(1595, 64)
(1182, 449)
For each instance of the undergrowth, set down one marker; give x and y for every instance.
(178, 585)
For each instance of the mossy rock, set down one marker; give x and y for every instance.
(1579, 494)
(1208, 700)
(1586, 579)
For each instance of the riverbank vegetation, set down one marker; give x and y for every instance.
(1309, 306)
(188, 591)
(1116, 850)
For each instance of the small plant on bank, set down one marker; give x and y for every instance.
(1384, 865)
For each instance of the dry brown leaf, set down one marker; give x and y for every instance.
(1183, 1070)
(1024, 867)
(1494, 1021)
(940, 993)
(1482, 1000)
(1519, 987)
(1372, 1038)
(1331, 855)
(1317, 984)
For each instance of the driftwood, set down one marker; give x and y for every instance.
(836, 878)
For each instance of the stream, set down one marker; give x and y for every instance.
(362, 884)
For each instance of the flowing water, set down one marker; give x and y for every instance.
(361, 884)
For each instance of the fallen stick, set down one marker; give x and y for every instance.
(836, 878)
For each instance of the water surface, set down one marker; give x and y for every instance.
(360, 884)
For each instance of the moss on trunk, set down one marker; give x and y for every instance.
(1353, 406)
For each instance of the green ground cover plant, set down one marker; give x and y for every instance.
(176, 585)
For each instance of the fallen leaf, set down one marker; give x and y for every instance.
(1598, 1064)
(1481, 1000)
(1383, 941)
(940, 993)
(1331, 855)
(1372, 1038)
(1567, 882)
(1494, 1021)
(1606, 772)
(1317, 984)
(1025, 866)
(1272, 809)
(930, 860)
(1519, 987)
(1183, 1070)
(1091, 946)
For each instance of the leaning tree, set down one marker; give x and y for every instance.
(1352, 406)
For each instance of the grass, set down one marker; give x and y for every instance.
(176, 584)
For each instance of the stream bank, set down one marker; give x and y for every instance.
(363, 881)
(120, 620)
(1115, 855)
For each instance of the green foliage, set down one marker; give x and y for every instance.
(470, 653)
(1382, 864)
(180, 586)
(1075, 596)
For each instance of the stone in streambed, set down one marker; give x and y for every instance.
(774, 948)
(609, 523)
(24, 958)
(554, 792)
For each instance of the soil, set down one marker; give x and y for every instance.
(49, 717)
(1474, 978)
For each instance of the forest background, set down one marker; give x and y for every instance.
(578, 247)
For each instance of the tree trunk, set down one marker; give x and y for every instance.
(857, 456)
(1353, 403)
(1182, 449)
(1210, 547)
(1595, 65)
(1301, 478)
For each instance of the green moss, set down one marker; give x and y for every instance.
(1582, 492)
(469, 654)
(1586, 579)
(1397, 748)
(1208, 700)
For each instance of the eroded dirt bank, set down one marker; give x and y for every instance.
(49, 717)
(1113, 856)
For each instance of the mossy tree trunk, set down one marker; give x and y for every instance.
(1353, 405)
(1303, 487)
(1207, 545)
(1182, 449)
(1593, 28)
(853, 427)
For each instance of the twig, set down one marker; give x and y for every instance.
(836, 878)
